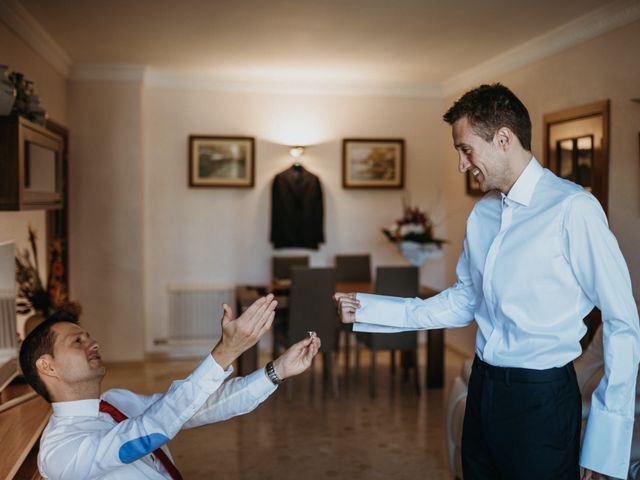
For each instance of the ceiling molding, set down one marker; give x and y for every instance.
(103, 72)
(169, 79)
(582, 29)
(18, 19)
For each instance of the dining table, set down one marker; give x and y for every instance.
(247, 294)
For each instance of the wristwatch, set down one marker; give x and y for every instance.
(271, 373)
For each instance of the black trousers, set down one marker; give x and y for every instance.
(521, 424)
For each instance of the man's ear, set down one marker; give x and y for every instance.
(44, 365)
(504, 138)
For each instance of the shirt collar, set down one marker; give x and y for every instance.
(522, 191)
(77, 408)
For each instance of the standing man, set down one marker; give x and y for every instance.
(122, 435)
(537, 256)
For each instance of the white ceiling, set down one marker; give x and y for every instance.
(394, 42)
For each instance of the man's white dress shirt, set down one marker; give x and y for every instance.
(533, 265)
(80, 442)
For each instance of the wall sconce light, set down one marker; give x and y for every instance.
(296, 152)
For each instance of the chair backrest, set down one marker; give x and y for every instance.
(353, 268)
(311, 306)
(399, 282)
(281, 266)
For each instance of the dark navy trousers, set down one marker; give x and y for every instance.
(521, 424)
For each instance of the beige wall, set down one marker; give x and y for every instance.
(604, 68)
(221, 236)
(51, 86)
(106, 214)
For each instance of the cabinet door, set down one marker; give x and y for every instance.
(31, 161)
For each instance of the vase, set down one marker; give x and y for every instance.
(35, 319)
(7, 92)
(418, 253)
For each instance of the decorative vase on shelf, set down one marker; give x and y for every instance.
(7, 92)
(35, 111)
(418, 253)
(35, 319)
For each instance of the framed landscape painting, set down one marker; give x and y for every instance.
(216, 161)
(372, 163)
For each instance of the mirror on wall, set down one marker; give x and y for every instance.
(577, 147)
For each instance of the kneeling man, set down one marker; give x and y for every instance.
(119, 434)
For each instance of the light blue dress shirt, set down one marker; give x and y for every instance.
(533, 265)
(80, 442)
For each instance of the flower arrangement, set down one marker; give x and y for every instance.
(414, 226)
(33, 297)
(413, 233)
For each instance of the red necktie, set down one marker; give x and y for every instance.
(166, 462)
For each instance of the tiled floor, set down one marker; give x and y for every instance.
(397, 435)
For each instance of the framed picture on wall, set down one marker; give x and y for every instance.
(576, 147)
(216, 161)
(473, 186)
(372, 163)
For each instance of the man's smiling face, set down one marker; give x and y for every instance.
(484, 159)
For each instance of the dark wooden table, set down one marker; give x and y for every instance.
(247, 294)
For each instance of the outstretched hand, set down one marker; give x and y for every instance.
(297, 358)
(347, 306)
(238, 335)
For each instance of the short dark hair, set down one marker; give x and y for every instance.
(40, 342)
(489, 108)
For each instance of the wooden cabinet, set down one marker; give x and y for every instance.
(31, 158)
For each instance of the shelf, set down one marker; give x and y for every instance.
(20, 428)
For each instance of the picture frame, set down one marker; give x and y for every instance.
(221, 161)
(576, 147)
(473, 186)
(373, 163)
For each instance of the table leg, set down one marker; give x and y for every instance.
(435, 358)
(248, 361)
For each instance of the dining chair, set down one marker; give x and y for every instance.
(311, 308)
(281, 266)
(400, 282)
(351, 268)
(281, 281)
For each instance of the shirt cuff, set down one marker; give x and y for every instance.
(370, 328)
(614, 432)
(380, 310)
(209, 375)
(258, 384)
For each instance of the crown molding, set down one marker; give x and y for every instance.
(582, 29)
(18, 19)
(107, 72)
(170, 79)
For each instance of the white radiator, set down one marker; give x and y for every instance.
(8, 326)
(195, 311)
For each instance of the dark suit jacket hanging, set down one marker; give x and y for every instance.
(297, 212)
